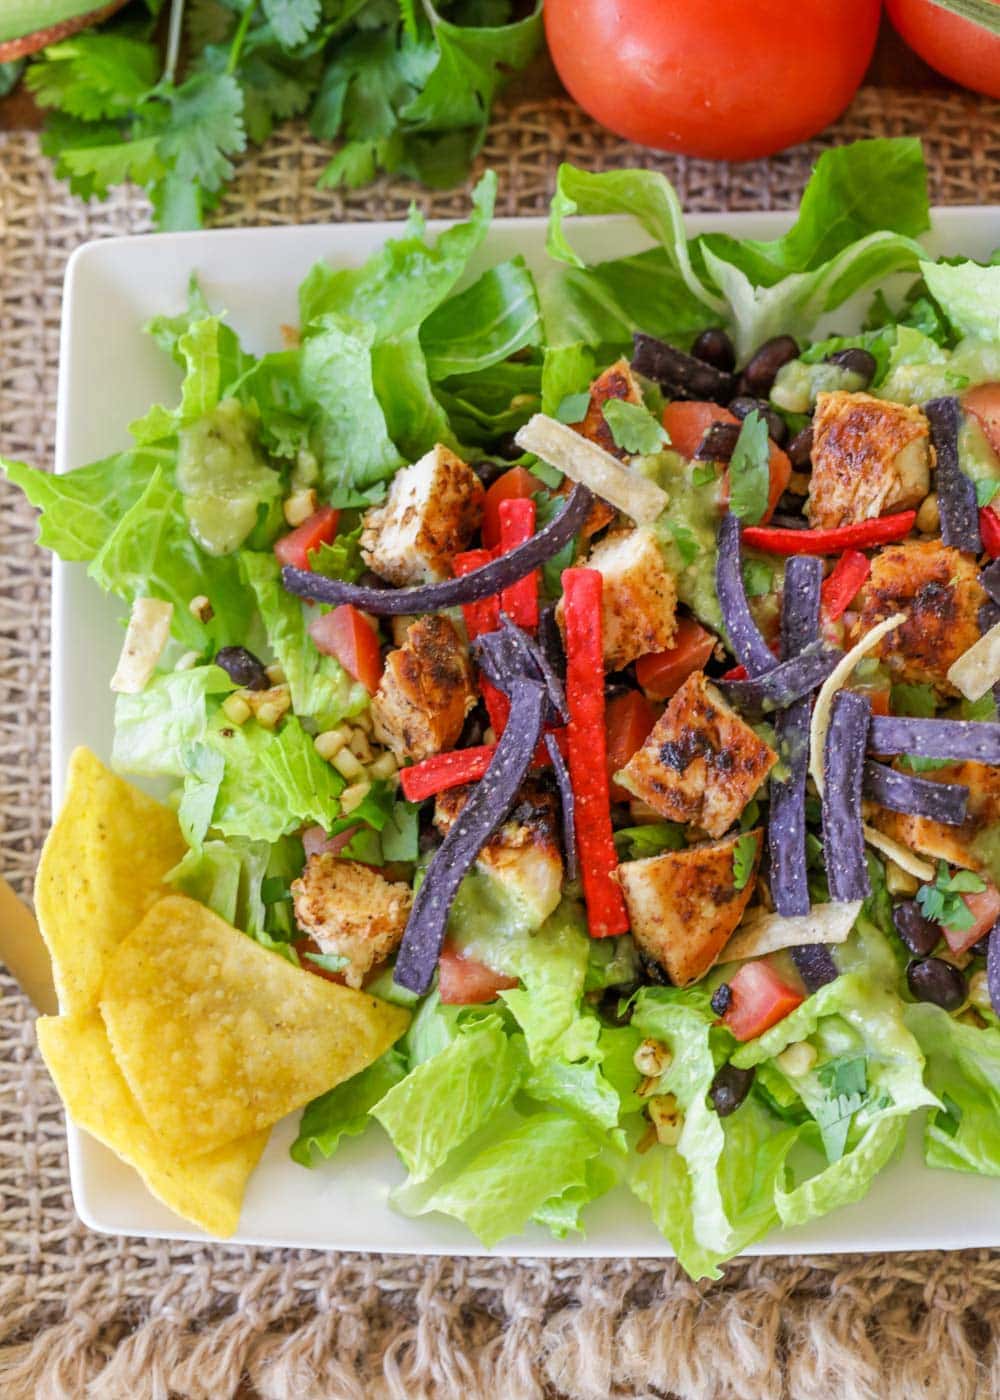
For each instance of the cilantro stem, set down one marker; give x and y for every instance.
(239, 36)
(173, 40)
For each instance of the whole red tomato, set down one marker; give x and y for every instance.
(954, 46)
(718, 78)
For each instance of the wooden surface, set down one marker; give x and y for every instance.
(893, 65)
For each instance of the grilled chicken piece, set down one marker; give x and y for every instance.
(425, 692)
(524, 856)
(639, 604)
(701, 763)
(976, 843)
(617, 382)
(870, 457)
(351, 910)
(431, 513)
(939, 590)
(684, 905)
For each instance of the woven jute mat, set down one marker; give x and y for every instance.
(82, 1315)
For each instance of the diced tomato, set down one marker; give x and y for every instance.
(517, 484)
(464, 981)
(687, 423)
(628, 719)
(348, 635)
(759, 1000)
(294, 549)
(878, 696)
(662, 673)
(984, 906)
(983, 402)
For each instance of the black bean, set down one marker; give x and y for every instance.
(762, 369)
(487, 469)
(243, 668)
(920, 935)
(860, 362)
(744, 404)
(653, 972)
(800, 450)
(507, 448)
(721, 998)
(611, 999)
(729, 1088)
(718, 444)
(937, 981)
(680, 376)
(715, 348)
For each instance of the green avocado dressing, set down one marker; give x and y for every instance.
(976, 457)
(223, 477)
(687, 531)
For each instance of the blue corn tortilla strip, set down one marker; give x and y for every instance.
(504, 655)
(990, 579)
(956, 493)
(745, 638)
(683, 376)
(787, 682)
(993, 967)
(537, 665)
(786, 828)
(489, 805)
(567, 800)
(551, 642)
(915, 796)
(843, 768)
(960, 740)
(815, 965)
(481, 583)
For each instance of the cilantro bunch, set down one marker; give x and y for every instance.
(404, 87)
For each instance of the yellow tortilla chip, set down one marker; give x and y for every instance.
(208, 1190)
(102, 867)
(217, 1037)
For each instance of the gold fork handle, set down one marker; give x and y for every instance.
(24, 952)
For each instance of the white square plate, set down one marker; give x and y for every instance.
(110, 373)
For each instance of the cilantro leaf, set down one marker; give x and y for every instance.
(846, 1081)
(744, 858)
(637, 842)
(573, 407)
(92, 156)
(983, 709)
(986, 489)
(201, 125)
(758, 577)
(704, 474)
(633, 427)
(942, 901)
(93, 75)
(918, 764)
(750, 470)
(292, 20)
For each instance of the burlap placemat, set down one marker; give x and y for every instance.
(84, 1315)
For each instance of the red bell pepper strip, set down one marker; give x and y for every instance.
(459, 766)
(863, 535)
(517, 525)
(737, 673)
(989, 530)
(606, 912)
(481, 617)
(841, 588)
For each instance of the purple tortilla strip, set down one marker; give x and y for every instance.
(917, 797)
(955, 739)
(551, 642)
(535, 658)
(993, 967)
(744, 635)
(567, 800)
(481, 583)
(785, 683)
(990, 579)
(682, 375)
(786, 828)
(956, 494)
(815, 964)
(843, 766)
(488, 806)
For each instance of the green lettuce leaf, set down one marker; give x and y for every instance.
(450, 1096)
(963, 1070)
(346, 1110)
(154, 729)
(321, 688)
(969, 295)
(272, 782)
(488, 322)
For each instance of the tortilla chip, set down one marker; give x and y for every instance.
(101, 869)
(208, 1190)
(761, 932)
(218, 1037)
